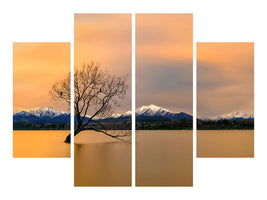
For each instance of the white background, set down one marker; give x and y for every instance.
(48, 21)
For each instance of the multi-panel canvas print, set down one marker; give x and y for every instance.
(102, 101)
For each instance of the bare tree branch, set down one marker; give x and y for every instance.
(95, 93)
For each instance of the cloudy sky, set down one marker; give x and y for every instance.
(36, 67)
(164, 61)
(225, 73)
(105, 39)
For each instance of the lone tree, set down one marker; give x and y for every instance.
(95, 92)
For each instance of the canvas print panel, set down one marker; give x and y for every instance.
(41, 116)
(102, 100)
(164, 99)
(225, 102)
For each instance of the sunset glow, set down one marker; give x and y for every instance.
(225, 78)
(164, 61)
(105, 39)
(36, 67)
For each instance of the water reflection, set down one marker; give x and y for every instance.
(225, 143)
(164, 158)
(40, 143)
(101, 161)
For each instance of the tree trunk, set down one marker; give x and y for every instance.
(67, 140)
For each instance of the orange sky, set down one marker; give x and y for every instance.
(36, 67)
(164, 61)
(225, 73)
(105, 39)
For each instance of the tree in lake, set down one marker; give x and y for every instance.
(95, 93)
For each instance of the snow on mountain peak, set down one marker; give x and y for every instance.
(236, 115)
(115, 115)
(233, 116)
(151, 110)
(42, 112)
(156, 111)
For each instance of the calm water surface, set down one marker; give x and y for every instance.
(41, 143)
(164, 158)
(101, 161)
(225, 143)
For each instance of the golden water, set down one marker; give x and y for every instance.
(40, 143)
(225, 143)
(101, 161)
(164, 158)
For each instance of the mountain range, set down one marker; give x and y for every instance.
(40, 116)
(153, 111)
(48, 115)
(238, 116)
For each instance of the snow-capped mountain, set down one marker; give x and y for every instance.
(236, 116)
(151, 110)
(48, 115)
(155, 111)
(42, 116)
(42, 112)
(233, 116)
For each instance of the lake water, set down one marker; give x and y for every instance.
(164, 158)
(225, 143)
(40, 143)
(101, 161)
